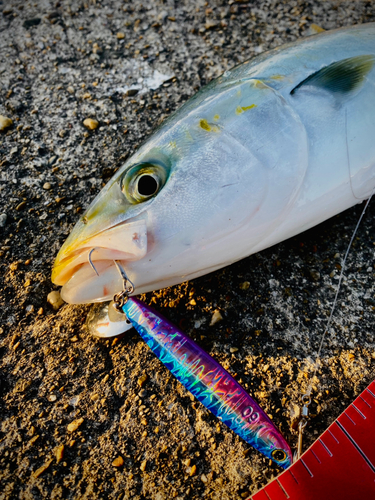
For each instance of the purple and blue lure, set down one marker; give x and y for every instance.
(208, 381)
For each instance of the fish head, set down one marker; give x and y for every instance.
(198, 195)
(114, 227)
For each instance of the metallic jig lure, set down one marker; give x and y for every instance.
(208, 381)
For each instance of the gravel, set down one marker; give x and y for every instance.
(82, 85)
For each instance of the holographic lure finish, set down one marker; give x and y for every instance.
(208, 381)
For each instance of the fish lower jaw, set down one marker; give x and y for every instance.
(86, 285)
(125, 242)
(96, 257)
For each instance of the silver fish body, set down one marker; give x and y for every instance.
(267, 150)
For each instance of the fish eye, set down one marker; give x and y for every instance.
(148, 185)
(143, 181)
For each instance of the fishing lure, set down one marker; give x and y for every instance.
(204, 377)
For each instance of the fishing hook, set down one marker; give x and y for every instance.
(91, 263)
(128, 287)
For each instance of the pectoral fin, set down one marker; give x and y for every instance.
(340, 77)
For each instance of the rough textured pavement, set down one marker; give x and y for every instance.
(89, 419)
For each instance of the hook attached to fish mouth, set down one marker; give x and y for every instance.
(128, 285)
(90, 261)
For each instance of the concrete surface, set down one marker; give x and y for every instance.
(71, 405)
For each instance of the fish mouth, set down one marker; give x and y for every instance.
(85, 264)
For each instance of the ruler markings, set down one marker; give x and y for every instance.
(312, 451)
(364, 456)
(359, 411)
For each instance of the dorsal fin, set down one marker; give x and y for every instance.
(341, 76)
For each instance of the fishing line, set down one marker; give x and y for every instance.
(309, 389)
(306, 397)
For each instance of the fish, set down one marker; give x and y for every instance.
(269, 149)
(208, 381)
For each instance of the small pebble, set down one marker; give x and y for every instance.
(233, 349)
(41, 469)
(142, 380)
(90, 123)
(5, 123)
(216, 317)
(20, 206)
(315, 274)
(295, 411)
(3, 220)
(245, 285)
(73, 426)
(120, 36)
(59, 453)
(143, 465)
(55, 300)
(52, 398)
(47, 186)
(211, 24)
(193, 470)
(33, 439)
(118, 462)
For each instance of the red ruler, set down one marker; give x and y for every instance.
(340, 465)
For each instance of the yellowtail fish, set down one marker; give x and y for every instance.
(267, 150)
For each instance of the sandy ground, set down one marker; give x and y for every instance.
(70, 405)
